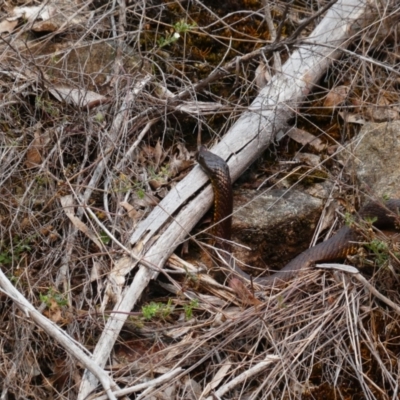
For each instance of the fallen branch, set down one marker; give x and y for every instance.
(172, 220)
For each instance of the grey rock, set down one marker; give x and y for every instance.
(276, 225)
(374, 157)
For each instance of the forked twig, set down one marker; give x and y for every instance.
(71, 346)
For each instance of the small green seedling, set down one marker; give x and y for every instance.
(189, 308)
(159, 310)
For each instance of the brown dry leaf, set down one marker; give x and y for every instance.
(221, 374)
(60, 372)
(45, 230)
(8, 25)
(46, 26)
(33, 158)
(34, 153)
(305, 138)
(336, 96)
(155, 155)
(177, 165)
(116, 281)
(158, 183)
(148, 200)
(244, 294)
(158, 153)
(184, 153)
(54, 311)
(162, 192)
(67, 202)
(192, 389)
(139, 349)
(30, 366)
(147, 152)
(181, 161)
(312, 160)
(179, 332)
(132, 213)
(383, 111)
(95, 274)
(25, 223)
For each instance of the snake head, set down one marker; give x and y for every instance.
(210, 162)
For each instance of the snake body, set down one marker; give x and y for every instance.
(218, 172)
(385, 216)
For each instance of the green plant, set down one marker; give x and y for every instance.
(141, 193)
(53, 296)
(15, 250)
(122, 184)
(159, 310)
(13, 279)
(168, 39)
(281, 302)
(136, 322)
(179, 28)
(47, 106)
(182, 26)
(41, 180)
(371, 220)
(104, 237)
(5, 258)
(161, 175)
(189, 308)
(55, 59)
(99, 117)
(164, 171)
(380, 250)
(348, 219)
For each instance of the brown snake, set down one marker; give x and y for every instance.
(342, 244)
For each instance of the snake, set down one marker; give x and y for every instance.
(383, 215)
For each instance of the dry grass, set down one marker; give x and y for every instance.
(320, 337)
